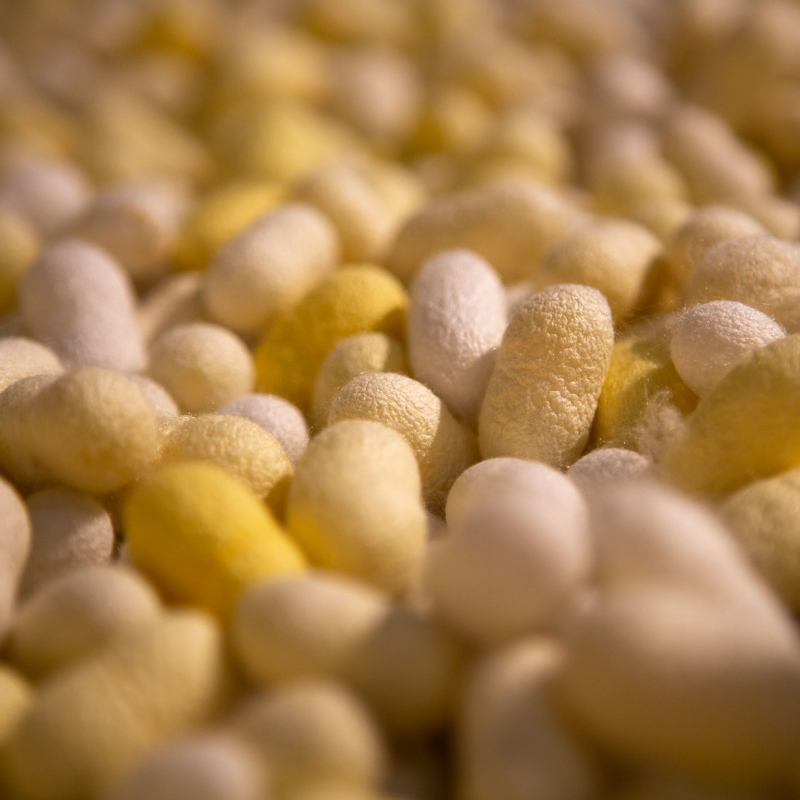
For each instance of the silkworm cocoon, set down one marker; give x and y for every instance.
(673, 683)
(779, 216)
(408, 669)
(759, 271)
(354, 505)
(362, 220)
(269, 267)
(210, 766)
(203, 366)
(49, 194)
(303, 627)
(358, 22)
(203, 536)
(511, 224)
(352, 299)
(506, 699)
(742, 429)
(78, 301)
(24, 358)
(74, 615)
(763, 517)
(90, 725)
(221, 216)
(310, 732)
(241, 447)
(15, 542)
(456, 320)
(276, 416)
(162, 404)
(640, 379)
(443, 447)
(174, 301)
(663, 216)
(613, 256)
(712, 338)
(137, 224)
(93, 430)
(19, 246)
(16, 696)
(705, 227)
(548, 374)
(70, 531)
(512, 563)
(607, 465)
(355, 355)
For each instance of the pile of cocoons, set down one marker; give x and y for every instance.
(399, 400)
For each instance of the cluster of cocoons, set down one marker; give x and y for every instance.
(400, 400)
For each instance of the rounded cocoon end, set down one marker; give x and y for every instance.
(745, 427)
(353, 299)
(607, 465)
(269, 267)
(19, 246)
(709, 340)
(90, 725)
(548, 374)
(213, 766)
(511, 224)
(356, 355)
(78, 301)
(355, 507)
(442, 446)
(203, 537)
(159, 398)
(759, 271)
(241, 447)
(70, 531)
(612, 256)
(310, 732)
(22, 358)
(276, 416)
(15, 543)
(202, 366)
(303, 627)
(76, 614)
(456, 320)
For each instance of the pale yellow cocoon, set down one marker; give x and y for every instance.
(92, 724)
(16, 696)
(19, 246)
(355, 505)
(444, 448)
(548, 374)
(15, 543)
(176, 300)
(76, 614)
(511, 224)
(159, 398)
(269, 267)
(23, 358)
(607, 465)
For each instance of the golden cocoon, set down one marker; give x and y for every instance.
(355, 505)
(69, 531)
(709, 340)
(19, 246)
(443, 447)
(76, 614)
(78, 300)
(304, 627)
(203, 537)
(311, 732)
(239, 446)
(16, 696)
(362, 21)
(354, 298)
(203, 366)
(759, 271)
(511, 224)
(90, 725)
(456, 320)
(269, 266)
(175, 300)
(548, 374)
(355, 355)
(607, 465)
(23, 358)
(276, 416)
(205, 766)
(15, 542)
(743, 429)
(669, 682)
(612, 256)
(507, 699)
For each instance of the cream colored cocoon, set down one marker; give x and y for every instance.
(548, 374)
(78, 300)
(23, 358)
(15, 542)
(456, 320)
